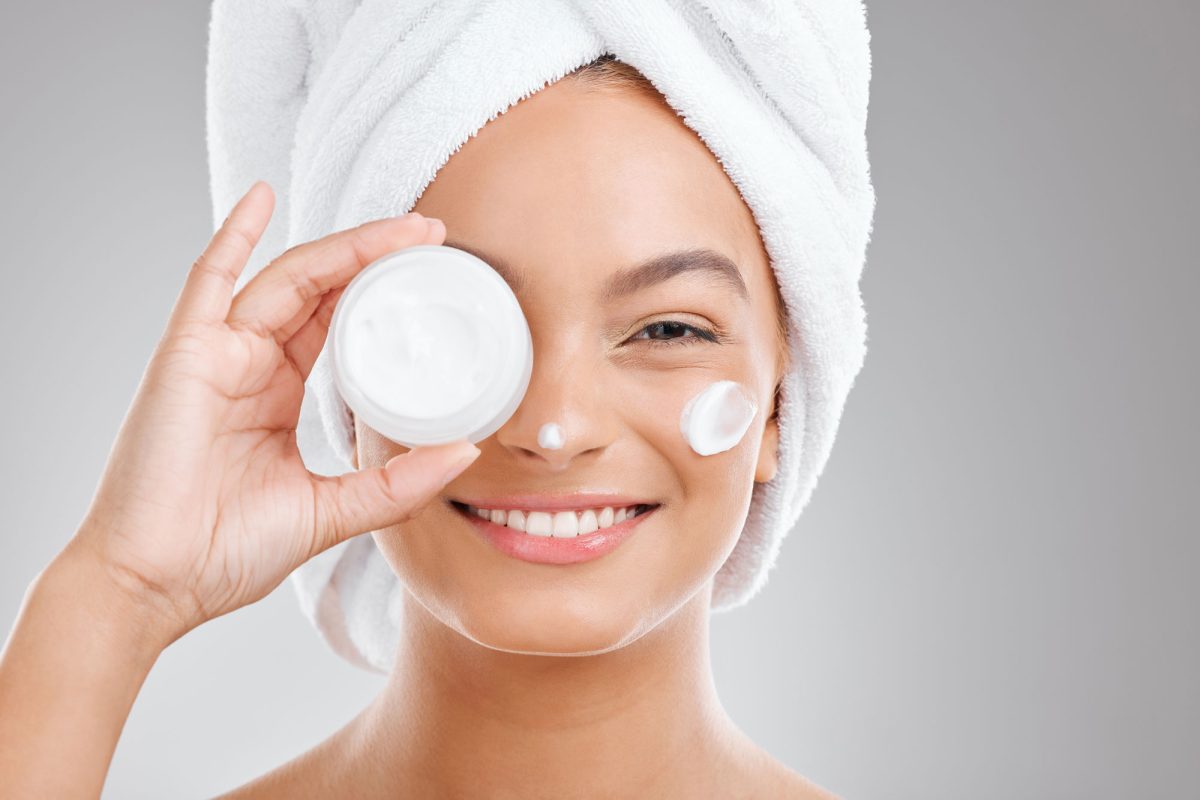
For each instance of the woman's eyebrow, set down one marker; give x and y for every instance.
(651, 272)
(719, 268)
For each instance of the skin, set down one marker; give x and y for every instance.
(474, 700)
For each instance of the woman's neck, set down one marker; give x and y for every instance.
(456, 718)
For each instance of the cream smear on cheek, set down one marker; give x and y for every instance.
(717, 417)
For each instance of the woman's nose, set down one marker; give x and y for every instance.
(563, 417)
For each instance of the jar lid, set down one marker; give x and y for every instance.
(429, 345)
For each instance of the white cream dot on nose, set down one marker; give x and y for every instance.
(717, 418)
(550, 436)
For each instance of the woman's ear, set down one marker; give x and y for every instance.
(768, 451)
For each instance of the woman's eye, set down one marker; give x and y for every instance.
(672, 332)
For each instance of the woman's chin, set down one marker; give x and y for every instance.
(552, 626)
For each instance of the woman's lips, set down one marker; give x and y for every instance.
(551, 549)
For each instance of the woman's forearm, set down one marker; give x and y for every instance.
(69, 673)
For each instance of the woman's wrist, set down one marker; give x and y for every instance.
(126, 610)
(70, 671)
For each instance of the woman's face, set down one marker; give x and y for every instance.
(567, 188)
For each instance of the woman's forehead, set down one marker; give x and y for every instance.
(615, 179)
(605, 158)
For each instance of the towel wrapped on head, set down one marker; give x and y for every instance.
(349, 108)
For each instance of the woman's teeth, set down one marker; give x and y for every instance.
(560, 524)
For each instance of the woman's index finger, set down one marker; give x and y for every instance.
(274, 296)
(208, 290)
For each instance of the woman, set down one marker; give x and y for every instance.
(197, 511)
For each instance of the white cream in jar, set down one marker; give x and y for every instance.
(429, 345)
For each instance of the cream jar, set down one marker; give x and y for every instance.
(429, 345)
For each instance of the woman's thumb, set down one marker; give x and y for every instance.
(370, 499)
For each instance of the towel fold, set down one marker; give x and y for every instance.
(349, 109)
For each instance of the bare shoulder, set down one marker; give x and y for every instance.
(288, 780)
(315, 773)
(790, 784)
(765, 776)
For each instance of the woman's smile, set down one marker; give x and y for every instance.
(565, 536)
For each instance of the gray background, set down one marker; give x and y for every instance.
(993, 591)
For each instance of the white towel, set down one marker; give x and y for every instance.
(348, 108)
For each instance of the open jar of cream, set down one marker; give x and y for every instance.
(429, 345)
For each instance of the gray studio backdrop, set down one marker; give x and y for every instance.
(993, 593)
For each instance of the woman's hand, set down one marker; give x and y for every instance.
(205, 504)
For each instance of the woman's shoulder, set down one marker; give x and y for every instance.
(315, 773)
(293, 779)
(763, 775)
(787, 783)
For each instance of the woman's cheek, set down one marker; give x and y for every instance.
(702, 423)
